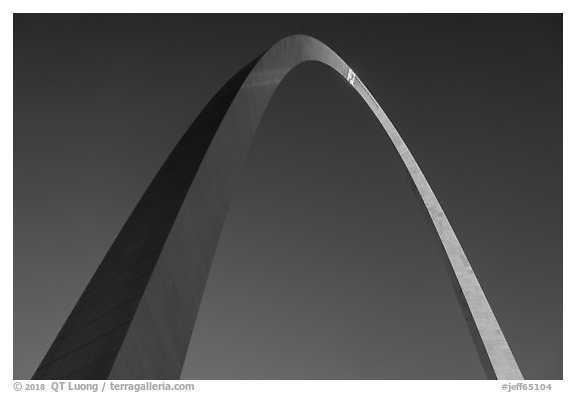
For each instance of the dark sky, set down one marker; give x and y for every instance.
(327, 267)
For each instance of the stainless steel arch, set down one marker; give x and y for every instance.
(136, 316)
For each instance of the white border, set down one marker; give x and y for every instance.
(6, 166)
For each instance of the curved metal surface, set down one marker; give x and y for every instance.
(135, 318)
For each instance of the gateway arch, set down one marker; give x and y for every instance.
(135, 317)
